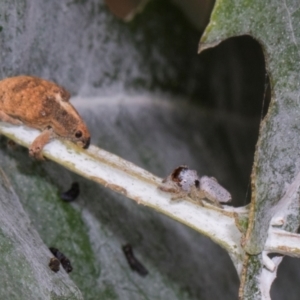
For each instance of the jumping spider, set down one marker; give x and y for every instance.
(183, 182)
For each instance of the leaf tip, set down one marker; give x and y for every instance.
(203, 46)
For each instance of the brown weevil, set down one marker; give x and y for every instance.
(42, 105)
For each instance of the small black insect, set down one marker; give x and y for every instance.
(65, 262)
(54, 264)
(72, 193)
(134, 264)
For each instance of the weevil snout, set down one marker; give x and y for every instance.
(83, 142)
(82, 136)
(87, 143)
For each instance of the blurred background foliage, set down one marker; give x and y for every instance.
(148, 97)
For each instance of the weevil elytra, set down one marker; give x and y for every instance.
(183, 182)
(43, 105)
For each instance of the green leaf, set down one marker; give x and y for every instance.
(275, 25)
(135, 83)
(92, 231)
(25, 273)
(276, 156)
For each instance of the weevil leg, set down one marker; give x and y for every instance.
(38, 144)
(8, 119)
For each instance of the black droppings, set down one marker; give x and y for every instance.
(54, 264)
(65, 262)
(72, 193)
(11, 145)
(133, 262)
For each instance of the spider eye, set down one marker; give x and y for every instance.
(78, 134)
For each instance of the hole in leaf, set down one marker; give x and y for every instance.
(235, 87)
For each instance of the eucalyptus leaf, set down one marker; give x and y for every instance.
(276, 162)
(25, 273)
(147, 97)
